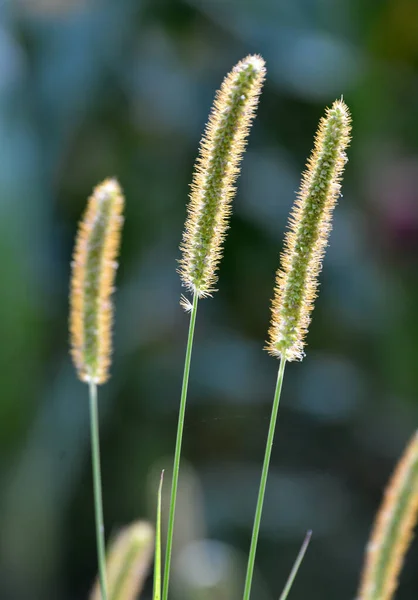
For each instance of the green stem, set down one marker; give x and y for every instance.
(97, 486)
(177, 453)
(263, 482)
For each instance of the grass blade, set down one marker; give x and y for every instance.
(296, 566)
(157, 562)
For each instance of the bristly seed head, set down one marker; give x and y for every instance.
(216, 171)
(307, 236)
(93, 274)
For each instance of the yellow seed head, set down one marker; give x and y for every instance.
(392, 531)
(93, 273)
(307, 236)
(216, 171)
(128, 562)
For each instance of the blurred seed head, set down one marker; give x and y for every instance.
(128, 561)
(93, 273)
(393, 528)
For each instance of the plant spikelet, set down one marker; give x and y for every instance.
(93, 272)
(128, 562)
(216, 170)
(307, 236)
(392, 531)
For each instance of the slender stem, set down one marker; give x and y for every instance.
(296, 566)
(97, 486)
(177, 453)
(264, 474)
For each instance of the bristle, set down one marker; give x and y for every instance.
(393, 528)
(93, 274)
(216, 171)
(307, 236)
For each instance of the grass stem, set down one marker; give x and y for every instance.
(263, 482)
(97, 486)
(177, 453)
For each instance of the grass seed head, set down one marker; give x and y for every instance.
(128, 562)
(307, 236)
(93, 272)
(216, 170)
(392, 531)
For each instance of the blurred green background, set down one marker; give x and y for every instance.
(90, 89)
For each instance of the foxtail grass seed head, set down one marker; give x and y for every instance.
(307, 236)
(216, 171)
(392, 531)
(93, 272)
(128, 562)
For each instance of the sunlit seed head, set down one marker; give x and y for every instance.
(216, 171)
(93, 272)
(307, 236)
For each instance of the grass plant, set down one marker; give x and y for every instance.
(93, 273)
(297, 279)
(213, 188)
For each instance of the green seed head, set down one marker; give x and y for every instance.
(307, 236)
(216, 171)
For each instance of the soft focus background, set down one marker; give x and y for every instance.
(90, 89)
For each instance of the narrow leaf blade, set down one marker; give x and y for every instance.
(157, 563)
(296, 566)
